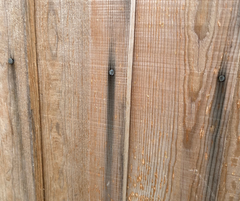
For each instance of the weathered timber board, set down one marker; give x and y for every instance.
(17, 172)
(34, 99)
(180, 143)
(82, 107)
(230, 176)
(110, 22)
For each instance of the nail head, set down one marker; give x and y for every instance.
(221, 78)
(111, 72)
(10, 61)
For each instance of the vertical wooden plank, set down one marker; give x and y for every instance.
(110, 21)
(34, 99)
(62, 29)
(180, 111)
(17, 180)
(83, 108)
(230, 177)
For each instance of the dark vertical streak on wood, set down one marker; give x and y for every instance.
(110, 123)
(16, 118)
(216, 139)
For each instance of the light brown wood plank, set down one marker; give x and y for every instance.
(62, 34)
(17, 182)
(180, 111)
(109, 50)
(82, 106)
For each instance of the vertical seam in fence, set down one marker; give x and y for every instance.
(128, 96)
(35, 100)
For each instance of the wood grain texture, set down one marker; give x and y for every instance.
(62, 34)
(109, 50)
(230, 177)
(34, 99)
(180, 111)
(82, 106)
(17, 182)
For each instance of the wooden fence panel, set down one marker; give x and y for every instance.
(17, 170)
(82, 106)
(180, 110)
(64, 120)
